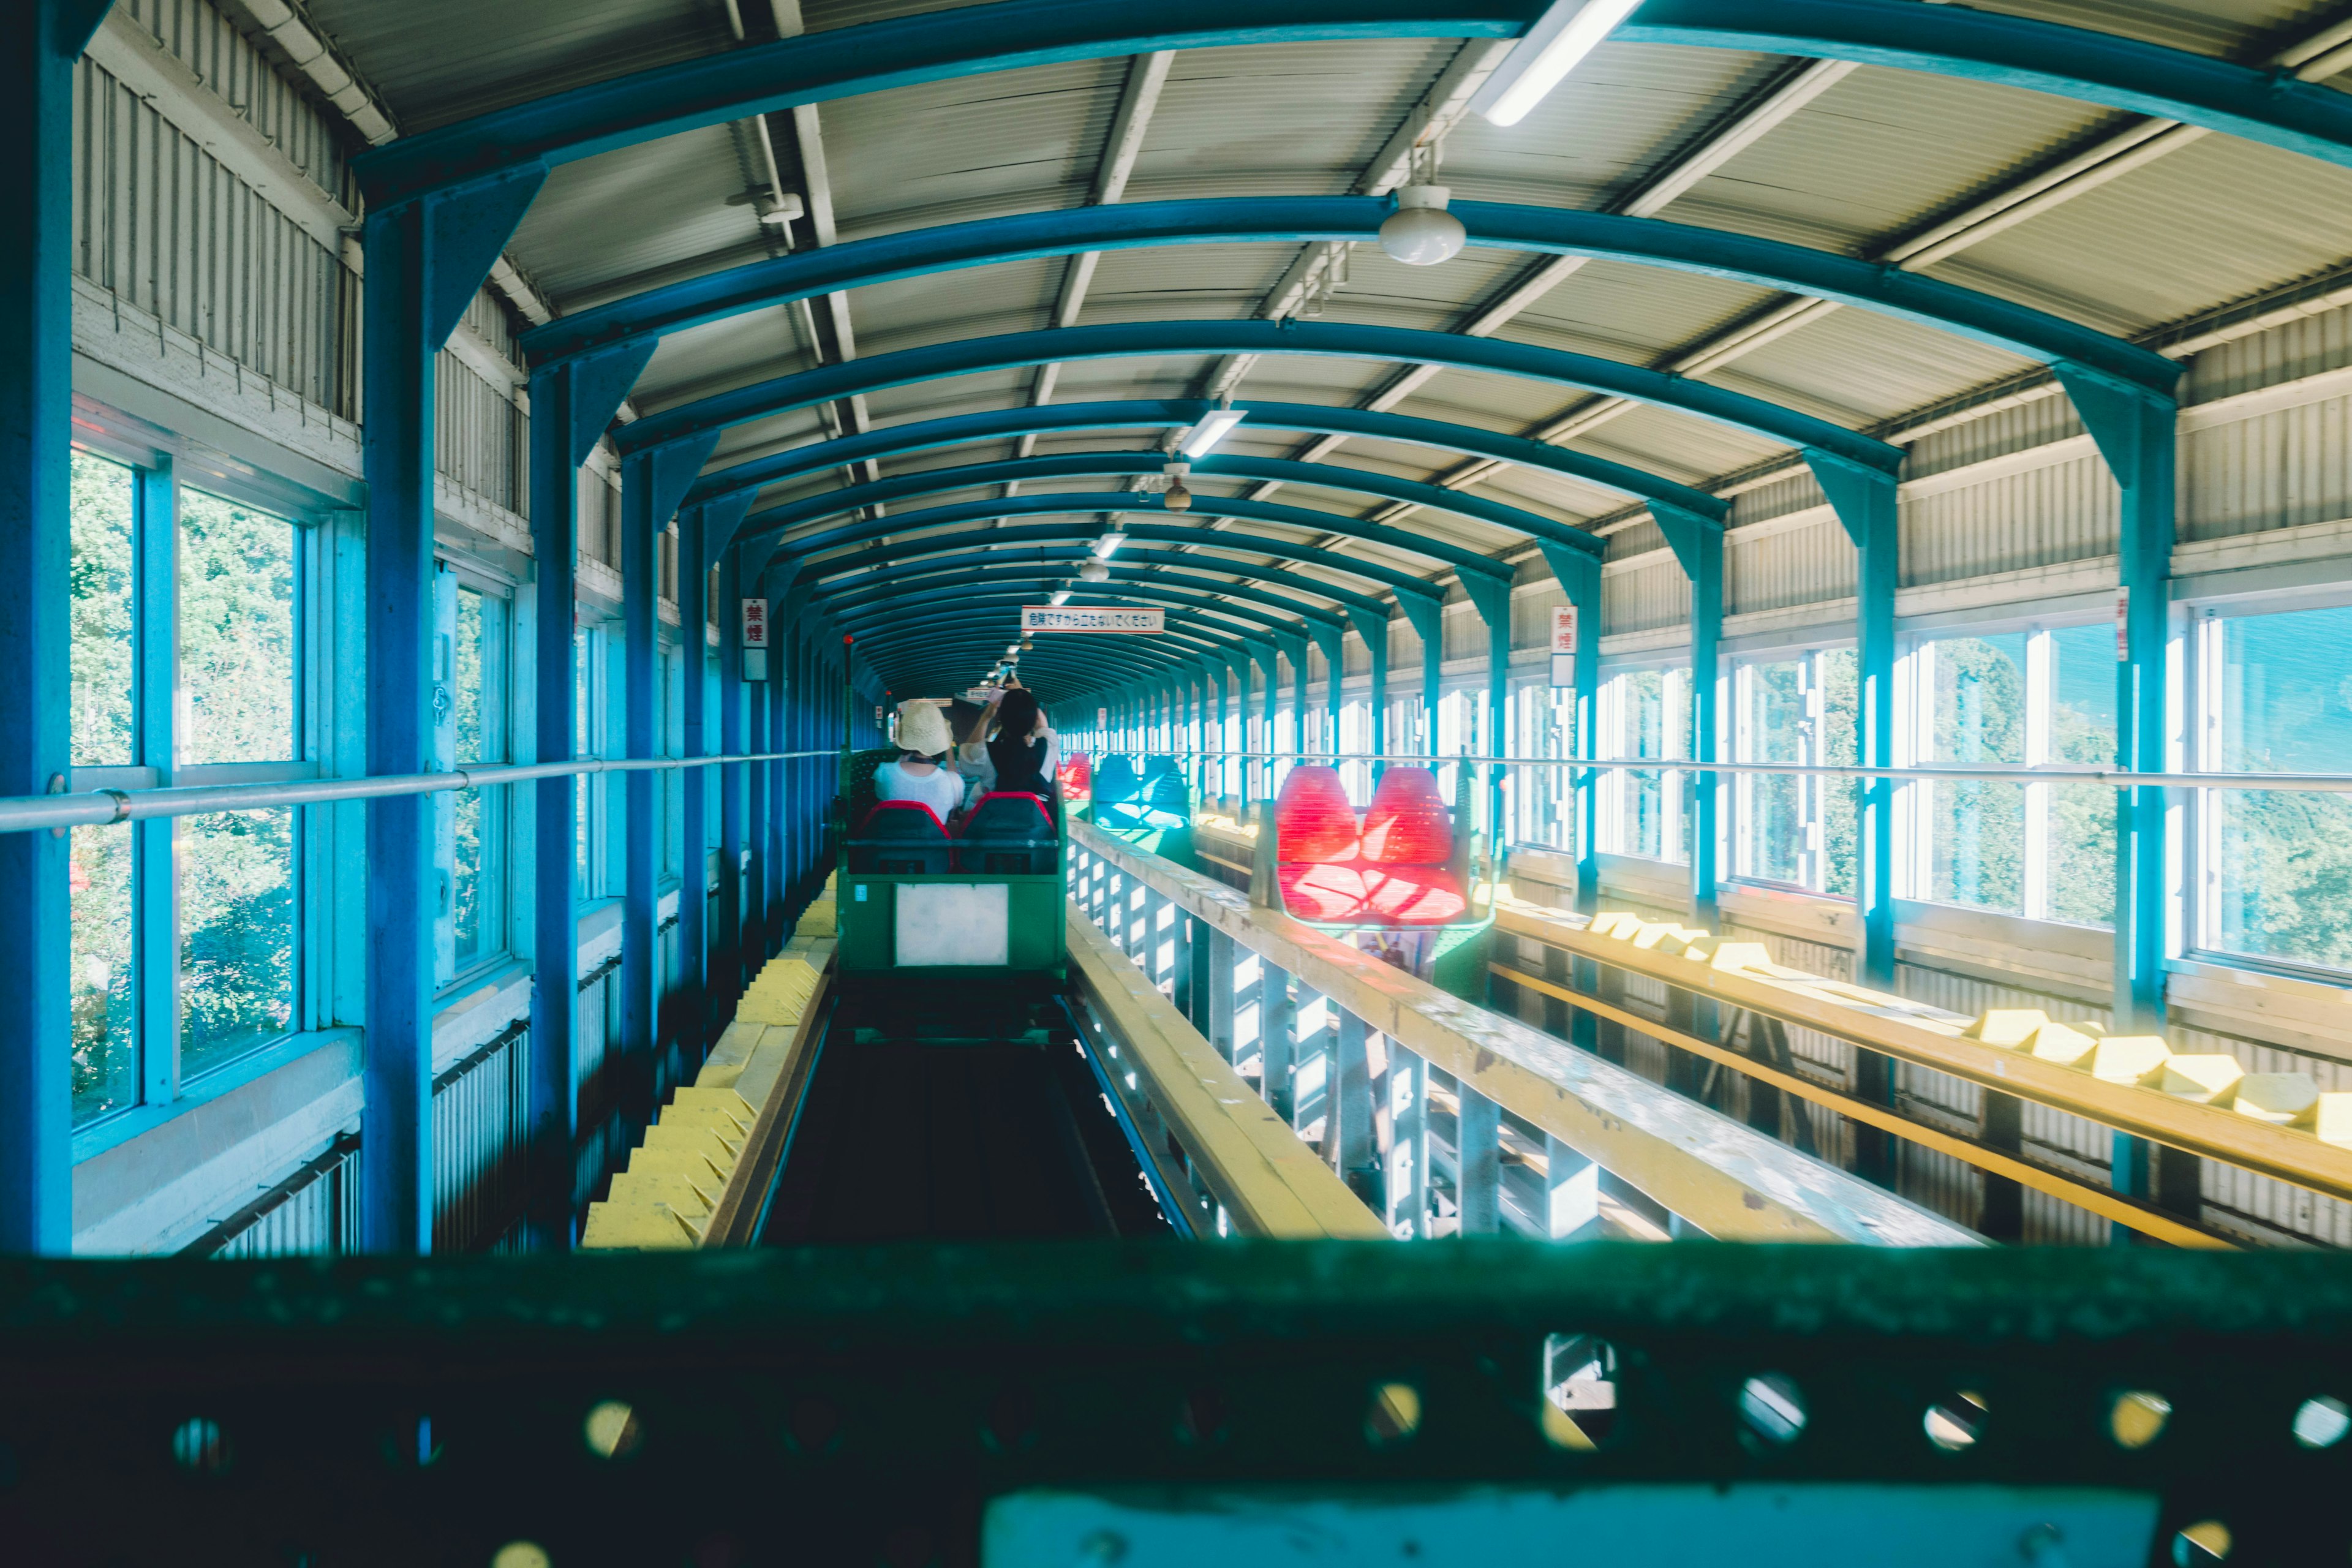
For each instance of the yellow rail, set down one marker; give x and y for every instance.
(1931, 1039)
(2149, 1222)
(697, 1178)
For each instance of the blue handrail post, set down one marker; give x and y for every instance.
(734, 740)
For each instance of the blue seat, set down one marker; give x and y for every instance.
(1115, 781)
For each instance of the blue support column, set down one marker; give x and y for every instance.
(1865, 502)
(1332, 642)
(1579, 575)
(1216, 676)
(734, 822)
(2137, 434)
(1492, 598)
(692, 979)
(425, 259)
(1428, 618)
(571, 406)
(1697, 544)
(1265, 654)
(651, 483)
(40, 40)
(1374, 630)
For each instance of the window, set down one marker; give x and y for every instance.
(1793, 829)
(1544, 799)
(99, 875)
(2276, 867)
(186, 637)
(472, 649)
(1644, 714)
(2044, 696)
(235, 871)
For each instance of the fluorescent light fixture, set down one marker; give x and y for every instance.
(1061, 597)
(1107, 545)
(1214, 427)
(1567, 32)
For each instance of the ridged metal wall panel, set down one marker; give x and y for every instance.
(159, 222)
(479, 438)
(481, 1135)
(1791, 566)
(2045, 517)
(2280, 470)
(315, 1212)
(1994, 434)
(1652, 596)
(209, 44)
(2287, 353)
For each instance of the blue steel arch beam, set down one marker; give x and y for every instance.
(995, 571)
(1400, 345)
(1062, 555)
(959, 643)
(1716, 252)
(1468, 564)
(889, 624)
(1081, 465)
(784, 569)
(930, 435)
(817, 68)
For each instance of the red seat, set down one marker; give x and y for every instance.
(1078, 777)
(1313, 822)
(1324, 891)
(1414, 895)
(1408, 824)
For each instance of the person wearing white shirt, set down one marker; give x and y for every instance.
(917, 775)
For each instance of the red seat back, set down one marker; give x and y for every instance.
(1408, 824)
(1078, 777)
(1313, 822)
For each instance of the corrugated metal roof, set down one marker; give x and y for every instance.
(1879, 156)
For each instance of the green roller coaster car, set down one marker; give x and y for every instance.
(946, 906)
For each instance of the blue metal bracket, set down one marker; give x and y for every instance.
(599, 381)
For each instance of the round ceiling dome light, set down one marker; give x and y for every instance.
(1177, 498)
(1420, 232)
(1094, 572)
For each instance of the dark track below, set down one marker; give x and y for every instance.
(906, 1140)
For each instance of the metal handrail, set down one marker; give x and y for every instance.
(102, 808)
(2038, 773)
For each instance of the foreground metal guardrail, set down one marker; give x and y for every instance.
(104, 808)
(1147, 1404)
(1699, 1166)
